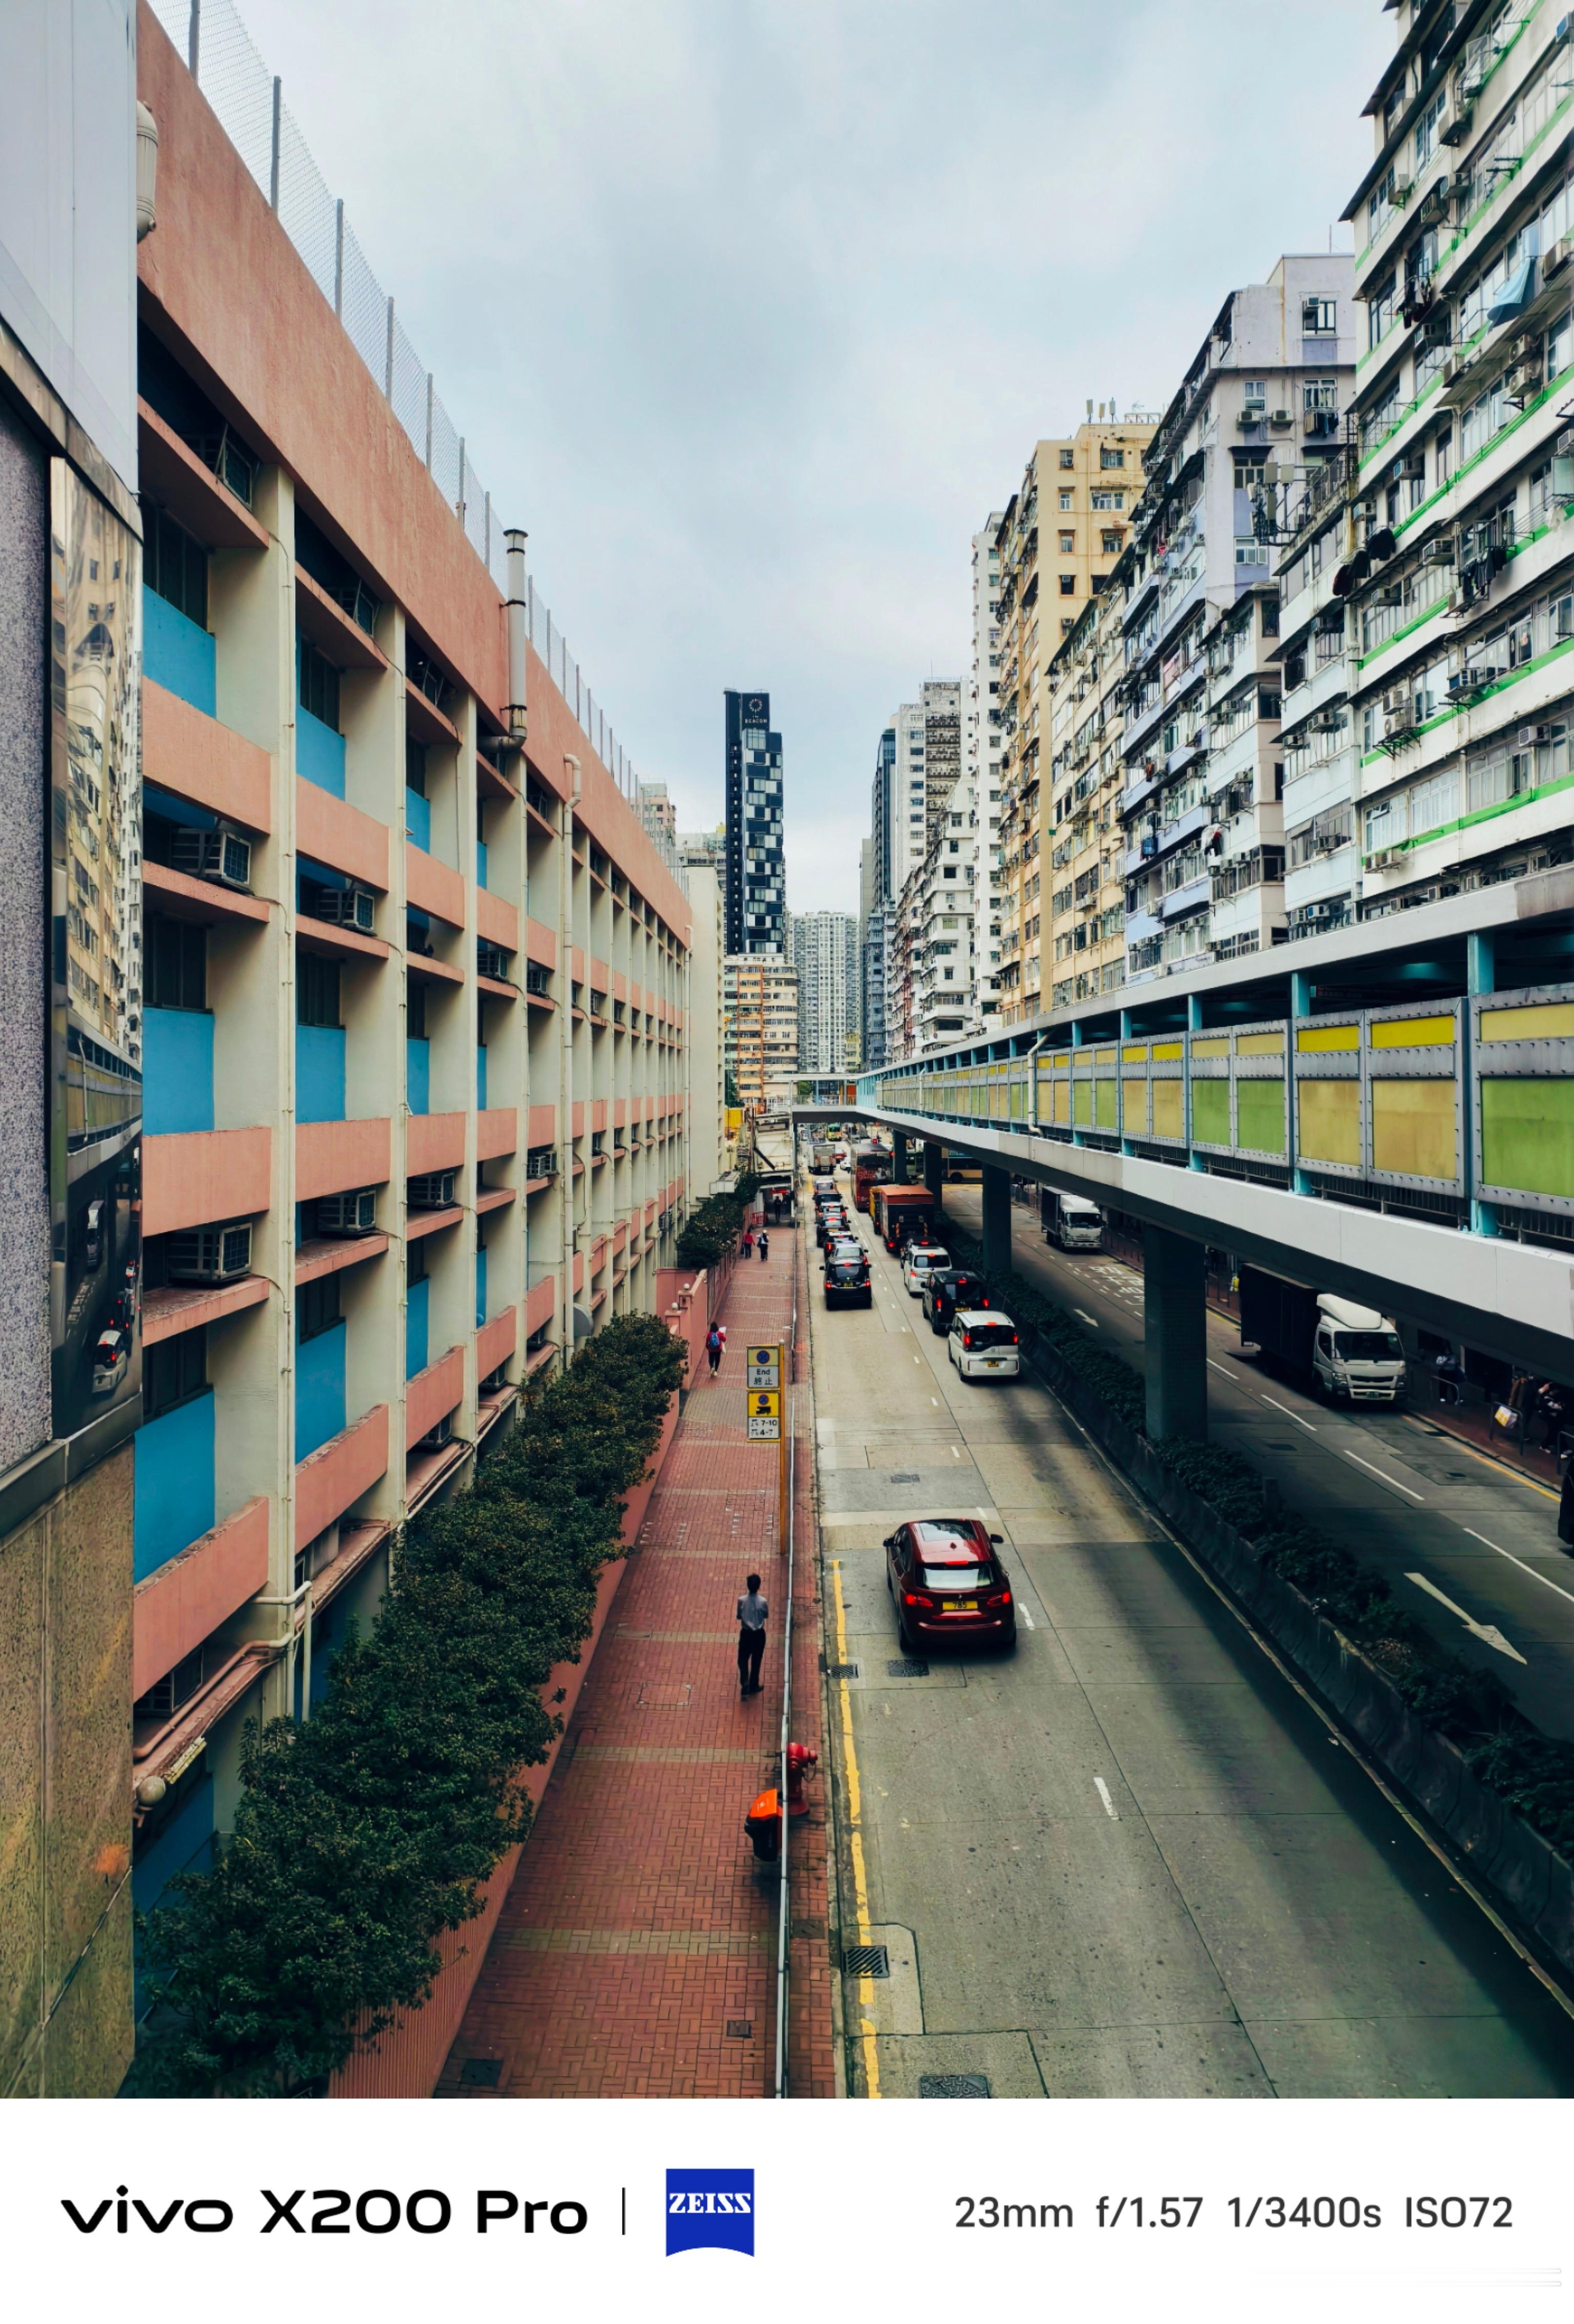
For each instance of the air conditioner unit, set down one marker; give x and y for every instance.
(1281, 419)
(491, 959)
(348, 907)
(1396, 702)
(221, 855)
(494, 1380)
(1448, 371)
(432, 1191)
(1459, 602)
(436, 1438)
(354, 1214)
(1407, 465)
(1253, 416)
(209, 1254)
(1403, 189)
(1382, 859)
(1530, 735)
(1438, 552)
(1558, 256)
(1455, 132)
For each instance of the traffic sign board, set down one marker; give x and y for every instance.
(765, 1415)
(763, 1367)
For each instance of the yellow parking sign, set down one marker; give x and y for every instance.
(765, 1415)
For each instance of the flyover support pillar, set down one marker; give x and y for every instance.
(934, 1169)
(996, 1192)
(898, 1157)
(1175, 1333)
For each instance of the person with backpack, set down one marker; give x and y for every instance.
(764, 1244)
(713, 1345)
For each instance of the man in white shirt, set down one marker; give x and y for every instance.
(751, 1614)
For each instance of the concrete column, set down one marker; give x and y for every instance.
(1300, 1006)
(898, 1157)
(1481, 956)
(996, 1218)
(1174, 1335)
(934, 1169)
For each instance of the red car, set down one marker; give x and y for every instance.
(948, 1585)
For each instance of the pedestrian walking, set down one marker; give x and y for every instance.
(764, 1244)
(753, 1610)
(715, 1342)
(748, 1243)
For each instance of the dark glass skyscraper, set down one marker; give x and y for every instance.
(755, 871)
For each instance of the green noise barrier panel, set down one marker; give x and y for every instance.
(1527, 1134)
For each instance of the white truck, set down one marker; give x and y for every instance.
(1069, 1221)
(1353, 1353)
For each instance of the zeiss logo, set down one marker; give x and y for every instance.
(710, 2207)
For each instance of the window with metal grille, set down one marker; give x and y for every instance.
(175, 567)
(317, 1305)
(175, 963)
(316, 989)
(174, 1371)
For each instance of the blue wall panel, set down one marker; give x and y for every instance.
(177, 654)
(173, 1501)
(417, 1074)
(177, 1071)
(319, 753)
(319, 1390)
(417, 1305)
(320, 1073)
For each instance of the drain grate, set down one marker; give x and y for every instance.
(865, 1960)
(954, 2086)
(841, 1670)
(739, 2029)
(906, 1668)
(482, 2073)
(906, 1476)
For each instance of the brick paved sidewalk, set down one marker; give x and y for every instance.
(635, 1956)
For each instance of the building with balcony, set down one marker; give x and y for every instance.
(981, 767)
(1085, 919)
(71, 1074)
(1057, 541)
(1458, 601)
(415, 980)
(1201, 810)
(756, 885)
(760, 1016)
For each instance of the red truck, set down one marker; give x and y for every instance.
(902, 1214)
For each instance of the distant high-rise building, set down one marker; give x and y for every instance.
(825, 955)
(756, 869)
(761, 1005)
(658, 813)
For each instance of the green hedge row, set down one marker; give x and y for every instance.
(712, 1228)
(363, 1834)
(1531, 1771)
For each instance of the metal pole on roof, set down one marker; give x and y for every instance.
(339, 249)
(274, 161)
(194, 39)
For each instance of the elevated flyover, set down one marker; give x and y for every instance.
(1386, 1111)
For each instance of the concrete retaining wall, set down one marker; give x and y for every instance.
(1531, 1881)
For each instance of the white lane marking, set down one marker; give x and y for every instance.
(1387, 1480)
(1545, 1580)
(935, 1399)
(1487, 1632)
(1219, 1368)
(1295, 1416)
(1102, 1788)
(1027, 1617)
(1082, 1312)
(954, 1453)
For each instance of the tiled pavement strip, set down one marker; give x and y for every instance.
(640, 1928)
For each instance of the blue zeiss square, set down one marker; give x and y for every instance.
(714, 2208)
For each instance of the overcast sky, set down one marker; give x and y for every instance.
(752, 309)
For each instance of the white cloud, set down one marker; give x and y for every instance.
(752, 313)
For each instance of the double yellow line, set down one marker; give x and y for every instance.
(866, 2031)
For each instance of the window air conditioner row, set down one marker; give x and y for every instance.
(221, 855)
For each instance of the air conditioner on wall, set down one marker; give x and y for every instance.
(348, 907)
(1438, 552)
(209, 1254)
(436, 1438)
(353, 1214)
(1382, 859)
(221, 855)
(432, 1191)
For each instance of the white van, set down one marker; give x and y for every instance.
(984, 1345)
(1357, 1355)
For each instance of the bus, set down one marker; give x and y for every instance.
(871, 1164)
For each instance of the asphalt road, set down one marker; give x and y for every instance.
(1129, 1860)
(1394, 1489)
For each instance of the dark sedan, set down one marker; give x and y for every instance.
(847, 1281)
(947, 1289)
(949, 1585)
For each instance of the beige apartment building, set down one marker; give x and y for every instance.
(1062, 531)
(1084, 944)
(761, 992)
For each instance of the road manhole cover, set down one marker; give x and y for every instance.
(953, 2086)
(905, 1477)
(841, 1670)
(865, 1960)
(482, 2073)
(906, 1668)
(739, 2029)
(656, 1696)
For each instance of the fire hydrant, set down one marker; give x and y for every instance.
(800, 1761)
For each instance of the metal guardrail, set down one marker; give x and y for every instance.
(249, 102)
(783, 1899)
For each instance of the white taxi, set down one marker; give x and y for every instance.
(984, 1345)
(919, 1259)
